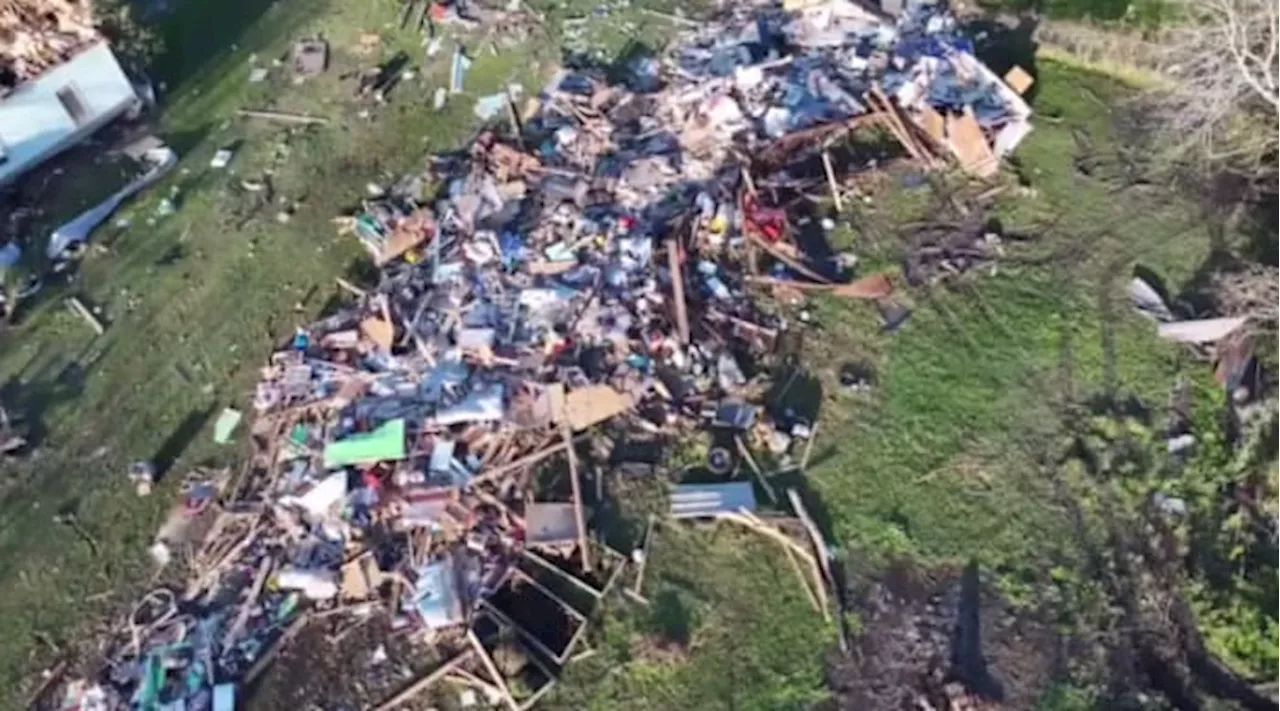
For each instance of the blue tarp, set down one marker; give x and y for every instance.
(707, 500)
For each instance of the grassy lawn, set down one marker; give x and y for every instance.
(938, 462)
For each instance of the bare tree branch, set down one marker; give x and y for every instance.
(1224, 105)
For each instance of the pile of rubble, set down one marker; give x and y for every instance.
(543, 299)
(36, 35)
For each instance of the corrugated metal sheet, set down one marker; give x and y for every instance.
(706, 500)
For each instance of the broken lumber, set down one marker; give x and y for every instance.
(677, 290)
(282, 116)
(78, 306)
(578, 518)
(423, 682)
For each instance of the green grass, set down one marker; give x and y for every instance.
(941, 463)
(728, 627)
(938, 463)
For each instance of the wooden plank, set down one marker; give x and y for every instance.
(269, 656)
(644, 558)
(282, 117)
(934, 125)
(578, 517)
(677, 290)
(520, 463)
(78, 306)
(815, 537)
(553, 568)
(492, 669)
(423, 682)
(970, 146)
(259, 579)
(808, 448)
(804, 579)
(782, 257)
(755, 469)
(831, 181)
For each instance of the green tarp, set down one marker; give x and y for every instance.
(386, 442)
(226, 425)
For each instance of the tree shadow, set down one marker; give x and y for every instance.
(180, 438)
(28, 397)
(671, 617)
(967, 662)
(1002, 47)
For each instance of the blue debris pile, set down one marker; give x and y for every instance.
(599, 278)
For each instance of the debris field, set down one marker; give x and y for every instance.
(619, 267)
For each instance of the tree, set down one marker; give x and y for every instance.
(1222, 106)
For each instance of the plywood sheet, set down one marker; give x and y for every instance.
(1019, 80)
(380, 331)
(587, 406)
(966, 140)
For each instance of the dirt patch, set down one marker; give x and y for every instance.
(334, 667)
(919, 631)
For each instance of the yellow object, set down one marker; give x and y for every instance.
(719, 224)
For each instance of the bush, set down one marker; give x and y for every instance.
(134, 42)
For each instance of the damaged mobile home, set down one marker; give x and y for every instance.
(59, 82)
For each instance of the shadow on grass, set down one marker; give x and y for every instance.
(196, 33)
(671, 618)
(967, 661)
(1002, 47)
(178, 440)
(29, 396)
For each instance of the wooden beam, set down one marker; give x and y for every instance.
(644, 548)
(831, 181)
(525, 634)
(553, 568)
(573, 612)
(782, 257)
(264, 569)
(808, 448)
(755, 469)
(579, 518)
(83, 311)
(492, 669)
(282, 117)
(815, 536)
(677, 290)
(355, 290)
(423, 682)
(525, 461)
(804, 579)
(269, 656)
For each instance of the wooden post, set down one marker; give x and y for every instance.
(281, 116)
(644, 559)
(578, 517)
(804, 579)
(831, 180)
(677, 290)
(269, 656)
(808, 448)
(492, 669)
(78, 306)
(782, 257)
(755, 469)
